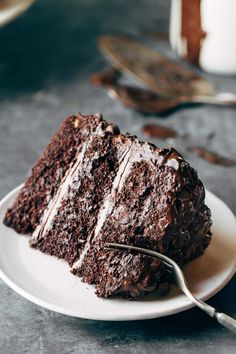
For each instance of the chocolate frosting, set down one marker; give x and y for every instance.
(93, 185)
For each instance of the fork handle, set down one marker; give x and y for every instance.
(226, 321)
(222, 318)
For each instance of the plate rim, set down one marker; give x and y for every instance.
(62, 310)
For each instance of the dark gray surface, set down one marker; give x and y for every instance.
(45, 59)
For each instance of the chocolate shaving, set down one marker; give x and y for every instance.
(212, 157)
(104, 77)
(158, 131)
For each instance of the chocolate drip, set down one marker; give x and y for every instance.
(191, 29)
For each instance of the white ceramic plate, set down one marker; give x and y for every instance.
(9, 9)
(47, 281)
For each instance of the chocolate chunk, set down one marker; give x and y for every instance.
(112, 129)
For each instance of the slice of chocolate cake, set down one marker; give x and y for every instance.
(94, 185)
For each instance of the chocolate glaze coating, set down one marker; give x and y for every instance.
(176, 223)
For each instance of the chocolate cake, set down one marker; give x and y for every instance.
(94, 185)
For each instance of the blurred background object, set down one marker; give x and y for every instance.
(9, 9)
(169, 83)
(203, 32)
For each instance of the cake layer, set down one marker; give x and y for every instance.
(70, 220)
(48, 173)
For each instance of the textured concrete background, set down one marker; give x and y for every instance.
(46, 57)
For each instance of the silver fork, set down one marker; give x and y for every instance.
(179, 281)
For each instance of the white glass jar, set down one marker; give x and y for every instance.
(204, 32)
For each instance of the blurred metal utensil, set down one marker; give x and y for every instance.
(9, 9)
(165, 77)
(140, 99)
(149, 102)
(179, 281)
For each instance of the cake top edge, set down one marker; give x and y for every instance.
(108, 127)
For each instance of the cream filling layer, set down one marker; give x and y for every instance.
(133, 153)
(56, 202)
